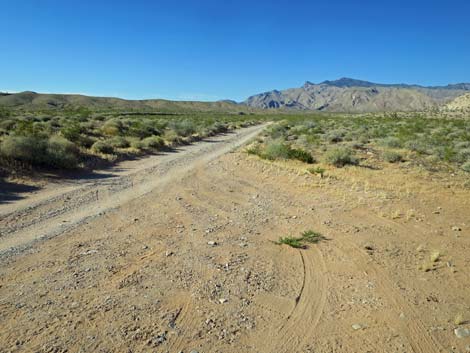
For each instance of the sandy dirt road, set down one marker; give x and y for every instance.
(190, 265)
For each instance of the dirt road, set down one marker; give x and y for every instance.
(63, 205)
(183, 260)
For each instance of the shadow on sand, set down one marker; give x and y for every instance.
(10, 191)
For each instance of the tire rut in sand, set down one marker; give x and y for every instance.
(299, 326)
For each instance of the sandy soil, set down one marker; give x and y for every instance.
(190, 264)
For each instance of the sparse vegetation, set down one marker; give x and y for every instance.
(430, 142)
(308, 236)
(340, 156)
(64, 139)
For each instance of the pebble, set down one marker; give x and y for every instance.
(212, 243)
(462, 332)
(168, 253)
(223, 300)
(456, 229)
(356, 327)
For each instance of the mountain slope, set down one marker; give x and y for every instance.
(350, 95)
(459, 103)
(32, 100)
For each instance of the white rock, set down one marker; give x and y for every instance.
(356, 327)
(462, 332)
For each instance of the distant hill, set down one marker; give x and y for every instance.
(459, 103)
(351, 95)
(38, 101)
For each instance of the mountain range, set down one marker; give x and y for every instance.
(350, 95)
(343, 95)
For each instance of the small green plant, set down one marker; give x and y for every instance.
(317, 170)
(308, 236)
(311, 237)
(292, 242)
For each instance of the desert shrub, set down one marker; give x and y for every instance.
(462, 144)
(417, 146)
(219, 127)
(61, 153)
(118, 142)
(7, 124)
(463, 155)
(254, 149)
(153, 142)
(112, 127)
(301, 155)
(466, 167)
(335, 136)
(183, 128)
(143, 129)
(278, 130)
(340, 157)
(392, 157)
(102, 147)
(276, 150)
(29, 149)
(172, 138)
(71, 132)
(136, 143)
(55, 152)
(391, 141)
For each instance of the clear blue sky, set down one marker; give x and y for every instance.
(208, 50)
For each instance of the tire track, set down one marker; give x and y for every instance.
(300, 324)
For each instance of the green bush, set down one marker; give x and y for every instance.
(466, 166)
(392, 142)
(102, 147)
(463, 155)
(183, 128)
(153, 142)
(136, 143)
(276, 150)
(392, 157)
(118, 142)
(112, 127)
(29, 149)
(61, 153)
(172, 138)
(55, 152)
(301, 155)
(340, 157)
